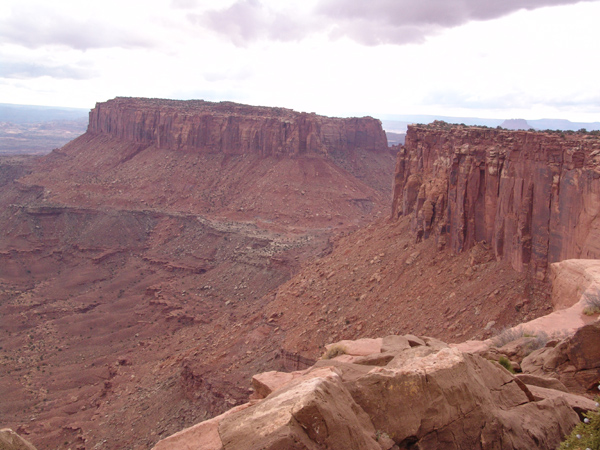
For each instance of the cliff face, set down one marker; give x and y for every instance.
(232, 128)
(533, 196)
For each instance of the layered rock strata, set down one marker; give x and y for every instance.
(533, 196)
(230, 128)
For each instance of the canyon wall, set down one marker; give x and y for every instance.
(533, 196)
(232, 128)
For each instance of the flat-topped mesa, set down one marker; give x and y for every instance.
(533, 196)
(231, 128)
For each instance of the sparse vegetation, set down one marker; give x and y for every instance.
(592, 300)
(335, 350)
(586, 435)
(379, 435)
(539, 338)
(504, 362)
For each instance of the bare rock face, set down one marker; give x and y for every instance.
(575, 361)
(429, 396)
(532, 195)
(230, 128)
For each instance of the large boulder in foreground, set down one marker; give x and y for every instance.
(427, 396)
(9, 440)
(459, 401)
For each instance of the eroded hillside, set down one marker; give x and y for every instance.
(134, 269)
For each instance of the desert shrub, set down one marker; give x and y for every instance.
(586, 435)
(539, 338)
(592, 300)
(504, 362)
(335, 350)
(507, 335)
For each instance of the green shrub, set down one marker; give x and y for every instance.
(504, 362)
(586, 435)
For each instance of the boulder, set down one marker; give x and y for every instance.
(360, 347)
(202, 436)
(428, 396)
(579, 403)
(575, 361)
(316, 413)
(545, 382)
(376, 359)
(414, 341)
(453, 400)
(267, 382)
(9, 440)
(394, 343)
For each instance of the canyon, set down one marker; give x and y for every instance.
(134, 272)
(156, 263)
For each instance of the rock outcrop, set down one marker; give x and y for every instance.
(428, 396)
(575, 361)
(9, 440)
(231, 128)
(533, 196)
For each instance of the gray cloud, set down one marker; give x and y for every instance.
(28, 70)
(249, 20)
(35, 28)
(405, 21)
(371, 23)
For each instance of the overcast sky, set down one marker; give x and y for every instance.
(487, 58)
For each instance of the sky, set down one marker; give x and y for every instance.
(500, 59)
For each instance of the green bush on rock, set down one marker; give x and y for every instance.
(586, 435)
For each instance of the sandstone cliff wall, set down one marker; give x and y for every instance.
(232, 128)
(533, 196)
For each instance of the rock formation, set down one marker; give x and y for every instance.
(574, 361)
(424, 395)
(245, 162)
(9, 440)
(532, 196)
(226, 127)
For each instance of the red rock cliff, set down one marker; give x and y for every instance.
(534, 196)
(232, 128)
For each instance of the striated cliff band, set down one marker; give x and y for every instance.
(533, 196)
(239, 161)
(232, 128)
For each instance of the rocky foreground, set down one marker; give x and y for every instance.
(526, 388)
(397, 392)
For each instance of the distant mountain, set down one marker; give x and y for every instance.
(397, 123)
(561, 124)
(515, 124)
(35, 114)
(395, 138)
(27, 129)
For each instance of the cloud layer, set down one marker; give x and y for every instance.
(35, 27)
(371, 23)
(28, 70)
